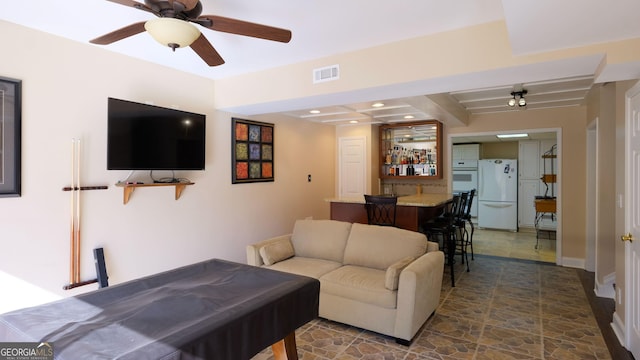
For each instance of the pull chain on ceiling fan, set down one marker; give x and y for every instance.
(174, 27)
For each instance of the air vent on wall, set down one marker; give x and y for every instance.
(328, 73)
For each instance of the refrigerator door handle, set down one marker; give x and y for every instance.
(498, 205)
(480, 182)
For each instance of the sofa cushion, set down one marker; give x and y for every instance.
(314, 268)
(379, 247)
(360, 284)
(275, 252)
(392, 275)
(320, 239)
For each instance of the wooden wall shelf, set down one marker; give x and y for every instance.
(129, 188)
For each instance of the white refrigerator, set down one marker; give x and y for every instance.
(498, 194)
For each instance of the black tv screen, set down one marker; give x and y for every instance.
(148, 137)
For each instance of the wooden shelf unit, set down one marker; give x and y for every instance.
(547, 204)
(129, 188)
(549, 178)
(416, 136)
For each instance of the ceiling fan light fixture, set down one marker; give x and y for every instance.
(171, 32)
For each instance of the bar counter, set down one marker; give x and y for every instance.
(411, 211)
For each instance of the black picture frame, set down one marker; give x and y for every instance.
(10, 136)
(252, 151)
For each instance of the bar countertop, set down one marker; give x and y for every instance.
(419, 200)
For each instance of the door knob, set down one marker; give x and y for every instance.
(627, 237)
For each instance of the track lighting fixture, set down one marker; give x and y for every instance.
(521, 101)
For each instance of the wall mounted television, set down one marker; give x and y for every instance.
(149, 137)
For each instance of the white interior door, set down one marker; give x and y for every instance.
(632, 220)
(352, 166)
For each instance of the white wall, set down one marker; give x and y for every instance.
(65, 90)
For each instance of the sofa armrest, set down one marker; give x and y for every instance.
(418, 293)
(253, 250)
(432, 246)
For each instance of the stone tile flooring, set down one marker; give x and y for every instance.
(517, 245)
(502, 309)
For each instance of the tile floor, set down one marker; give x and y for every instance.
(502, 309)
(518, 245)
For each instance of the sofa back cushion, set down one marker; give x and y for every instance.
(379, 247)
(320, 239)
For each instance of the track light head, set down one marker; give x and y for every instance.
(521, 101)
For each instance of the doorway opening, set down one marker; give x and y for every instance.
(521, 244)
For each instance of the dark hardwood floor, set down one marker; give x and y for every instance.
(603, 310)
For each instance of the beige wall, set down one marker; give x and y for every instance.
(65, 90)
(601, 109)
(571, 122)
(500, 150)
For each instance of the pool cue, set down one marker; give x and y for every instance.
(72, 254)
(78, 159)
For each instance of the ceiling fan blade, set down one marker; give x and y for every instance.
(135, 4)
(205, 50)
(119, 34)
(245, 28)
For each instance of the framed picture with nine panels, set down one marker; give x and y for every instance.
(252, 156)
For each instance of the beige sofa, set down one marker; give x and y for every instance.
(382, 279)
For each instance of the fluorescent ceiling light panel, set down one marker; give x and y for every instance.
(511, 136)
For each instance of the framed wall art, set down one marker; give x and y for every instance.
(252, 157)
(10, 136)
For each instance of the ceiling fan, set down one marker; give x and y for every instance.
(174, 18)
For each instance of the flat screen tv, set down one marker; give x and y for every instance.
(148, 137)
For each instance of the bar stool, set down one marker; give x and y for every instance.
(467, 218)
(462, 236)
(446, 228)
(381, 210)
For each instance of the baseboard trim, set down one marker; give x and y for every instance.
(573, 262)
(606, 289)
(617, 325)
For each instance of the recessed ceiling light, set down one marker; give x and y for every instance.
(509, 136)
(314, 111)
(409, 116)
(353, 122)
(378, 104)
